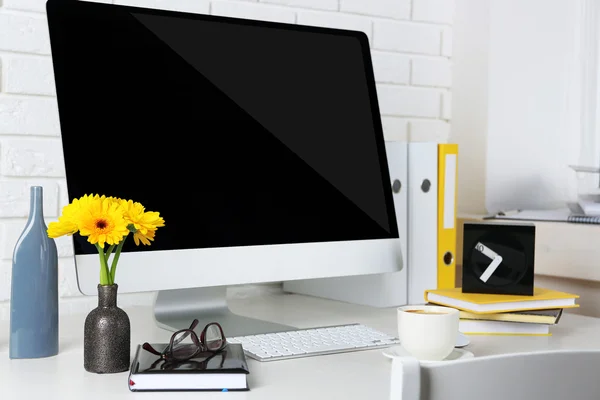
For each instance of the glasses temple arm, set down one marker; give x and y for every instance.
(148, 347)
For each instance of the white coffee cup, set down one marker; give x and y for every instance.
(428, 332)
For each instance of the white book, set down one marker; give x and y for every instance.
(482, 327)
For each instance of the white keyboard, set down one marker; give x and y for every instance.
(313, 342)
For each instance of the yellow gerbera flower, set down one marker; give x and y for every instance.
(86, 200)
(145, 238)
(61, 227)
(68, 222)
(144, 222)
(103, 222)
(111, 199)
(107, 220)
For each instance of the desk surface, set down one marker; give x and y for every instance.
(356, 375)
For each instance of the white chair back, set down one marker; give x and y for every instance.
(547, 375)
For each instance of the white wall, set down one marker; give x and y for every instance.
(518, 90)
(411, 44)
(533, 72)
(470, 106)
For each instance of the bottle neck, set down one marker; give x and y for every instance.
(107, 295)
(36, 202)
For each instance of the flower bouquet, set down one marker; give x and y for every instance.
(107, 222)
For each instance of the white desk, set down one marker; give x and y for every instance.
(357, 375)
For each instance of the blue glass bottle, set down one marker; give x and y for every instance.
(34, 287)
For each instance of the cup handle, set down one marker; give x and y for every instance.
(406, 379)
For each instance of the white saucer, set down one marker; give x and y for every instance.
(462, 340)
(457, 354)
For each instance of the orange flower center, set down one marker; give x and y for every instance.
(101, 224)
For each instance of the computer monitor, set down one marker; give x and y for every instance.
(259, 143)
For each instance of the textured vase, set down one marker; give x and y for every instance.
(34, 287)
(107, 335)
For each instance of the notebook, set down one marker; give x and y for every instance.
(224, 371)
(479, 303)
(557, 215)
(548, 317)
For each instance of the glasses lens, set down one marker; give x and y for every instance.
(183, 346)
(213, 340)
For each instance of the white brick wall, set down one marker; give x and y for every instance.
(411, 43)
(29, 75)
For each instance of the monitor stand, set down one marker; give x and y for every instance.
(176, 309)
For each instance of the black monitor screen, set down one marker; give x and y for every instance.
(238, 132)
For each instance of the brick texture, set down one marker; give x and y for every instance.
(331, 5)
(440, 11)
(407, 37)
(339, 21)
(29, 75)
(405, 101)
(24, 34)
(253, 11)
(28, 116)
(32, 158)
(391, 67)
(196, 6)
(431, 72)
(428, 130)
(397, 9)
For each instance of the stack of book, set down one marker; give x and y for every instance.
(498, 314)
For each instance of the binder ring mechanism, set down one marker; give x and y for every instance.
(448, 258)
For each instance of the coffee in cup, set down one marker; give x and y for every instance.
(424, 312)
(428, 332)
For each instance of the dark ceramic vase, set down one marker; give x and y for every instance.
(107, 335)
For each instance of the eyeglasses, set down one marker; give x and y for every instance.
(216, 358)
(211, 340)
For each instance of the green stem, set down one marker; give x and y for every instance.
(104, 274)
(113, 267)
(109, 252)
